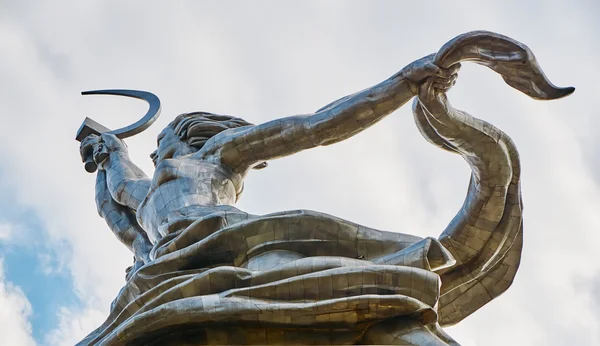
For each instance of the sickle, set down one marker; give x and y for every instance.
(90, 127)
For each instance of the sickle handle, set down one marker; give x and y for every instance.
(90, 164)
(148, 119)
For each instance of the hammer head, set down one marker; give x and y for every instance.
(90, 127)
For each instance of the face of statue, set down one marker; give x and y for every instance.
(169, 146)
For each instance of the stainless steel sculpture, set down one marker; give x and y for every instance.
(206, 273)
(90, 127)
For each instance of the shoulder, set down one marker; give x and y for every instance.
(224, 149)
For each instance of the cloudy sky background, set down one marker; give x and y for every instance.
(60, 266)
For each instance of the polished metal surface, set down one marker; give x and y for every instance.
(90, 127)
(206, 273)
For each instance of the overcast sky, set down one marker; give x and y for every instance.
(60, 266)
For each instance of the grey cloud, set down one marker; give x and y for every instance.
(266, 59)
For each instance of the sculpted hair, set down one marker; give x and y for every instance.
(198, 127)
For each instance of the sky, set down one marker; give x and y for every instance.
(60, 266)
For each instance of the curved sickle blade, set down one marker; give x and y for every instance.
(91, 127)
(510, 58)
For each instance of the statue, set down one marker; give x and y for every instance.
(206, 273)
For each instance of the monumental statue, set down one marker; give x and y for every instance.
(207, 273)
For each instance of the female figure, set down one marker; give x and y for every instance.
(208, 273)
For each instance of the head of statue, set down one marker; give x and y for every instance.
(190, 131)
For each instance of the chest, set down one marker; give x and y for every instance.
(181, 189)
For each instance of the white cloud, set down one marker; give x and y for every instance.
(15, 311)
(263, 60)
(5, 231)
(73, 325)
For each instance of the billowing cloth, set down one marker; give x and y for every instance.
(486, 235)
(221, 276)
(340, 278)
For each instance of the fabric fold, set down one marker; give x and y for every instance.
(342, 277)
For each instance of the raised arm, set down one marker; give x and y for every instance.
(246, 147)
(127, 183)
(122, 222)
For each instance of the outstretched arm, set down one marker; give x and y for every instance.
(245, 147)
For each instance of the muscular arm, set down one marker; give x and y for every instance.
(121, 220)
(243, 148)
(340, 120)
(127, 183)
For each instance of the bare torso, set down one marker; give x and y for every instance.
(184, 187)
(190, 180)
(485, 237)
